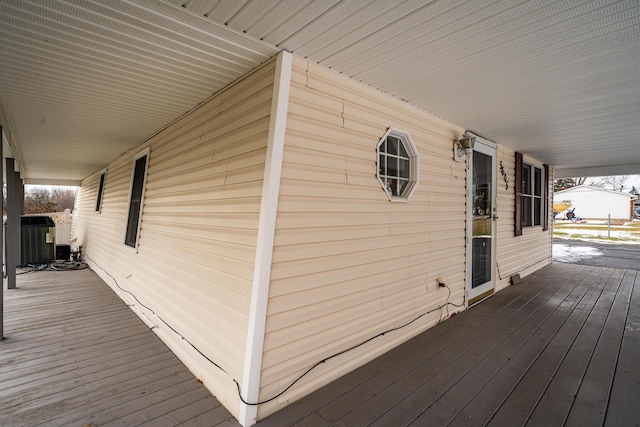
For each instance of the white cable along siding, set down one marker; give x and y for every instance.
(197, 244)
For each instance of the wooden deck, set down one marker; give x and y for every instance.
(76, 355)
(560, 348)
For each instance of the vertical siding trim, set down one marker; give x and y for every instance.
(266, 233)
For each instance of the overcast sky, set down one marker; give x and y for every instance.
(635, 180)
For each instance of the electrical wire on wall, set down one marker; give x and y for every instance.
(446, 304)
(326, 359)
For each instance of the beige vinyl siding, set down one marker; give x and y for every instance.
(348, 263)
(518, 254)
(197, 244)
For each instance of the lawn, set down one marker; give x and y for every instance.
(597, 230)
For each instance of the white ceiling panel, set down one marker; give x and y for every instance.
(82, 81)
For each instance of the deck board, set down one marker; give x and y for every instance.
(537, 353)
(422, 385)
(479, 409)
(528, 338)
(75, 354)
(528, 389)
(501, 342)
(590, 403)
(555, 404)
(623, 406)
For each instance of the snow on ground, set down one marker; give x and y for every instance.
(568, 253)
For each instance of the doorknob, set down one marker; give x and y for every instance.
(494, 217)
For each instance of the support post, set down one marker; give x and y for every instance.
(14, 211)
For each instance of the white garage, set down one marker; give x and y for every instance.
(596, 203)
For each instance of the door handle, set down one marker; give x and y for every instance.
(494, 217)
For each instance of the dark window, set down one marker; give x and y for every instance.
(100, 191)
(531, 196)
(135, 202)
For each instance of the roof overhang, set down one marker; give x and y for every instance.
(83, 81)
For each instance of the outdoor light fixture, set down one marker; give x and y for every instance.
(467, 142)
(463, 146)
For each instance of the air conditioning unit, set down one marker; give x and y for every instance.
(37, 240)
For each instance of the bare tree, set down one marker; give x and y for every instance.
(565, 183)
(48, 199)
(63, 197)
(613, 182)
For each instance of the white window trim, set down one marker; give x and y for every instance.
(532, 196)
(414, 166)
(142, 153)
(100, 194)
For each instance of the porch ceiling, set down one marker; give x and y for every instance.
(83, 81)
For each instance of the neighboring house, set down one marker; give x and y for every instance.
(297, 214)
(597, 203)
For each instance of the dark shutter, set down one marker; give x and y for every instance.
(545, 221)
(517, 231)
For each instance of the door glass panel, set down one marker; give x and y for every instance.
(482, 219)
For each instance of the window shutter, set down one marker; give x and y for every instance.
(545, 221)
(517, 231)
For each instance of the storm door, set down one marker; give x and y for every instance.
(480, 281)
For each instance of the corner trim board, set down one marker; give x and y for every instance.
(264, 247)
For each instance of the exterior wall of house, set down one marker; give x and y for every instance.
(194, 265)
(349, 264)
(533, 249)
(595, 203)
